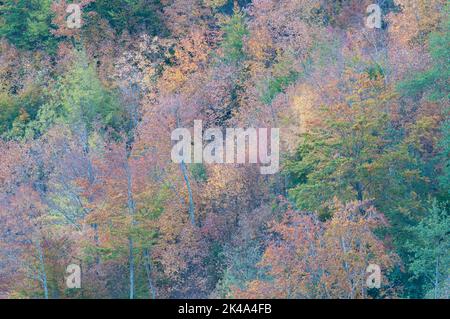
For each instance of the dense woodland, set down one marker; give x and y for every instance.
(86, 176)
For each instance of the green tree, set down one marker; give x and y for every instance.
(235, 29)
(431, 251)
(435, 80)
(130, 15)
(433, 84)
(27, 24)
(356, 155)
(444, 179)
(79, 98)
(282, 76)
(16, 111)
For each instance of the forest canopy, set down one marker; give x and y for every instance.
(91, 90)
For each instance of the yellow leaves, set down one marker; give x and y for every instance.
(190, 54)
(259, 45)
(172, 79)
(304, 104)
(302, 115)
(215, 3)
(424, 134)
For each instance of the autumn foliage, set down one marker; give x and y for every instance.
(86, 175)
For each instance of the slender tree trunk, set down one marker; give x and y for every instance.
(148, 270)
(91, 179)
(436, 279)
(186, 179)
(191, 199)
(131, 262)
(96, 241)
(131, 211)
(130, 201)
(42, 268)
